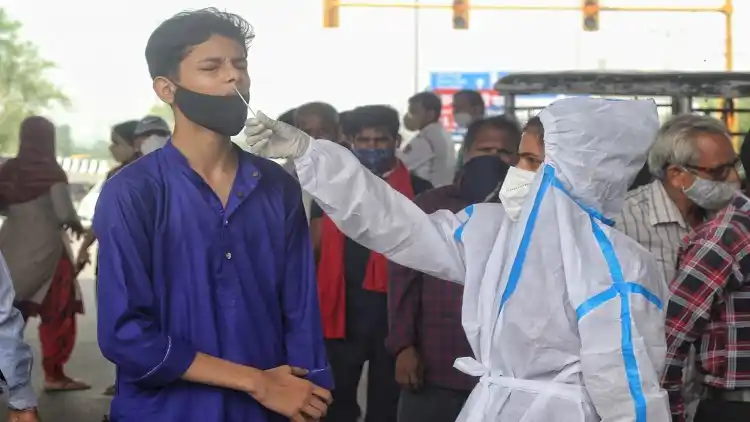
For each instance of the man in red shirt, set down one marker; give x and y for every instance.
(425, 334)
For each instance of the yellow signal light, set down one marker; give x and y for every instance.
(590, 15)
(460, 14)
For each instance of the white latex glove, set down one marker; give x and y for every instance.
(273, 139)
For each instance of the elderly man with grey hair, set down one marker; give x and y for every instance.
(660, 214)
(15, 355)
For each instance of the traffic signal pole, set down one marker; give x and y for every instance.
(461, 10)
(331, 9)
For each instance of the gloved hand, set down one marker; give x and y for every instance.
(273, 139)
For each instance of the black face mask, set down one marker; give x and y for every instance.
(223, 114)
(480, 176)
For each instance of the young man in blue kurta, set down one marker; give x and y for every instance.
(207, 296)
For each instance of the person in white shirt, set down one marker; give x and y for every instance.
(468, 107)
(151, 134)
(429, 155)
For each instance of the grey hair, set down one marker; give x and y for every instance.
(675, 141)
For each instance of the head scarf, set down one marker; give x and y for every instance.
(34, 170)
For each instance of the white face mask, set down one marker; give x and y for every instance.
(462, 119)
(711, 195)
(514, 191)
(152, 143)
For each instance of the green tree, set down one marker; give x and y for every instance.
(64, 141)
(24, 88)
(164, 111)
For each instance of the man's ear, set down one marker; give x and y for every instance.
(164, 89)
(398, 141)
(677, 178)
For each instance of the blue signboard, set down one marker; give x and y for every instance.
(459, 80)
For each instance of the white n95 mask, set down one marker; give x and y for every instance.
(152, 143)
(515, 190)
(462, 119)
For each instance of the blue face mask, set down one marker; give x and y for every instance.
(378, 161)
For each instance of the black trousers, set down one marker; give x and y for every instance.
(721, 411)
(347, 357)
(431, 403)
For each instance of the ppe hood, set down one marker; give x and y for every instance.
(598, 146)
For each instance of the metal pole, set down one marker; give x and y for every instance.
(416, 45)
(728, 36)
(728, 105)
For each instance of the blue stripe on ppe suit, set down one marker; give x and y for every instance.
(620, 288)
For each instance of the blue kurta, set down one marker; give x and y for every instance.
(180, 274)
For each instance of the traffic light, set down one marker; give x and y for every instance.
(460, 14)
(590, 15)
(330, 13)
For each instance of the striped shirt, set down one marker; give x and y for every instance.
(653, 220)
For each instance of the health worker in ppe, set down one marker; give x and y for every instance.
(563, 312)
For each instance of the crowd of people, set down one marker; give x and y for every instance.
(589, 265)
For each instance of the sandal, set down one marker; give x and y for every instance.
(65, 385)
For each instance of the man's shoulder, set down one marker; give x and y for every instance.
(636, 208)
(138, 180)
(137, 173)
(728, 227)
(639, 197)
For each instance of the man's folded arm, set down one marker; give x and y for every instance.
(15, 355)
(370, 212)
(128, 331)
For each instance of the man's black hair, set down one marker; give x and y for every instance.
(326, 112)
(126, 131)
(429, 101)
(172, 41)
(534, 123)
(372, 117)
(288, 117)
(344, 121)
(503, 123)
(474, 98)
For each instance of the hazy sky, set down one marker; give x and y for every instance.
(98, 47)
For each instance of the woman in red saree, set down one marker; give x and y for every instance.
(35, 200)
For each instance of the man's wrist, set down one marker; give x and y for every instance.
(251, 380)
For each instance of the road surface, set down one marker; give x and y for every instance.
(86, 364)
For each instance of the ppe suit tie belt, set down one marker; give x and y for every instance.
(471, 366)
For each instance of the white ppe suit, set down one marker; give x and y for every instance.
(564, 314)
